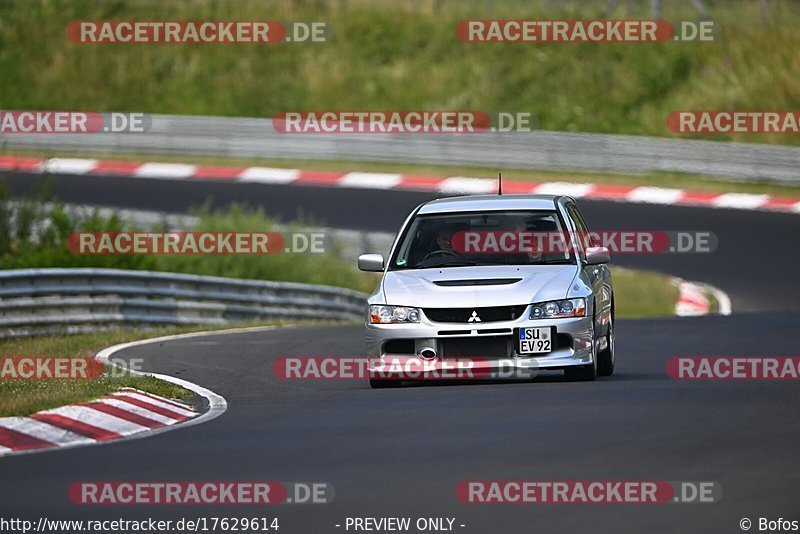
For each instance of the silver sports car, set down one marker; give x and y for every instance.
(498, 279)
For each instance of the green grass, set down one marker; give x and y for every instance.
(24, 397)
(643, 293)
(404, 55)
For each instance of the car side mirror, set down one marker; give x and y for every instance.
(597, 255)
(371, 263)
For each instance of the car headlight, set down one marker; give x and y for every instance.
(559, 309)
(380, 314)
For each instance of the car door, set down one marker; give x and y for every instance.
(598, 276)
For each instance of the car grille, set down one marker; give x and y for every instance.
(481, 282)
(495, 347)
(486, 315)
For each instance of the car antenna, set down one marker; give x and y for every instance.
(499, 183)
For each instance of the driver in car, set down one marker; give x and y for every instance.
(444, 238)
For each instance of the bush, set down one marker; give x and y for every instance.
(34, 234)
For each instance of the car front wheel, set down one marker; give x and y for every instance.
(605, 358)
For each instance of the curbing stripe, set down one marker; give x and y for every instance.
(268, 175)
(141, 412)
(693, 299)
(98, 419)
(155, 399)
(16, 441)
(52, 435)
(319, 177)
(465, 184)
(565, 188)
(124, 413)
(16, 163)
(740, 200)
(68, 165)
(404, 182)
(172, 413)
(655, 195)
(79, 427)
(370, 180)
(131, 417)
(165, 170)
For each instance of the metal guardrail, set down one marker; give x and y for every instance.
(38, 301)
(244, 137)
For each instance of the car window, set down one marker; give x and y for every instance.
(482, 238)
(585, 237)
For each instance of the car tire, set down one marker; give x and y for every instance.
(605, 358)
(383, 384)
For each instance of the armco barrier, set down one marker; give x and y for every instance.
(38, 301)
(245, 137)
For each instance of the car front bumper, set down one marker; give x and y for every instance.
(574, 335)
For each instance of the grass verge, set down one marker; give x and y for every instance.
(643, 293)
(384, 54)
(24, 397)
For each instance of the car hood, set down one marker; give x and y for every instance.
(470, 287)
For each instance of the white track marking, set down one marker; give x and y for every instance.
(740, 200)
(165, 170)
(655, 195)
(564, 188)
(371, 180)
(68, 165)
(268, 175)
(463, 184)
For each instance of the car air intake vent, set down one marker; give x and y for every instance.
(475, 316)
(493, 282)
(495, 347)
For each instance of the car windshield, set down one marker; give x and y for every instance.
(482, 238)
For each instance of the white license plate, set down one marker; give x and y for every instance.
(534, 340)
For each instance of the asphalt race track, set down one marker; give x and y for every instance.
(402, 452)
(752, 263)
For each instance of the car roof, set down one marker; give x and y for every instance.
(489, 203)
